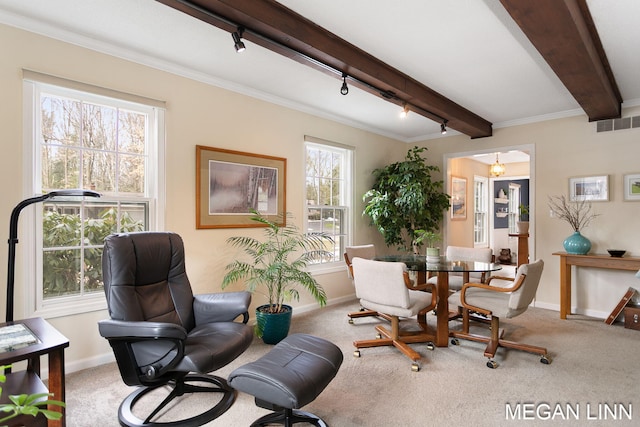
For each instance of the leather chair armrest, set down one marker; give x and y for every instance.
(133, 331)
(221, 307)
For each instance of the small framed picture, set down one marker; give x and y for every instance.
(591, 188)
(631, 184)
(458, 198)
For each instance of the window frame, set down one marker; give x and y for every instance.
(31, 251)
(484, 181)
(346, 204)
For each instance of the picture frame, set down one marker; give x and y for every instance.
(230, 183)
(458, 198)
(631, 186)
(589, 188)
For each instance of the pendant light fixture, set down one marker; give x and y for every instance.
(497, 168)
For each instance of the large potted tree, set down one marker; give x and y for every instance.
(277, 264)
(406, 202)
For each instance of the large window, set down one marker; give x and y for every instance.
(480, 212)
(88, 141)
(328, 193)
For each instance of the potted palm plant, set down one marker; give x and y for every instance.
(277, 264)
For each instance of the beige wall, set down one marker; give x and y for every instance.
(564, 148)
(197, 114)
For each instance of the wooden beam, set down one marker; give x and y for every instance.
(565, 35)
(277, 28)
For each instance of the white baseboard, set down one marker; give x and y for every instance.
(574, 310)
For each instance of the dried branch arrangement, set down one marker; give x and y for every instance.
(577, 214)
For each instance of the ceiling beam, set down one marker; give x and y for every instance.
(277, 28)
(565, 35)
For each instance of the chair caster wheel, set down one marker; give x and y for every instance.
(545, 360)
(415, 367)
(356, 353)
(430, 346)
(378, 336)
(455, 341)
(350, 321)
(492, 364)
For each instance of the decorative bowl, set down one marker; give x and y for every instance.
(618, 253)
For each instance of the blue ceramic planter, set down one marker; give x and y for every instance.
(273, 327)
(577, 244)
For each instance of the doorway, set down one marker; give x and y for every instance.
(517, 182)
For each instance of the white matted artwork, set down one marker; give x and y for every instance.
(590, 188)
(631, 184)
(458, 198)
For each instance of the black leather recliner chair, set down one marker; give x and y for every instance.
(163, 335)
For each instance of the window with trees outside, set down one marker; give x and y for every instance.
(328, 193)
(89, 141)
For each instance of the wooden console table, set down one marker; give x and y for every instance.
(51, 343)
(589, 260)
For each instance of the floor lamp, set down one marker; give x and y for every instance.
(13, 235)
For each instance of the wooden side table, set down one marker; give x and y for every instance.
(51, 343)
(523, 248)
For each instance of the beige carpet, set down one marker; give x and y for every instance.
(593, 374)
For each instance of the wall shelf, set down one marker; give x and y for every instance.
(502, 200)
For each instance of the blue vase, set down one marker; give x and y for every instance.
(577, 244)
(273, 327)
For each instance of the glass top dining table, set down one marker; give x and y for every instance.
(419, 264)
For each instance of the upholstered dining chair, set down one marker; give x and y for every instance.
(164, 336)
(383, 287)
(365, 252)
(461, 253)
(500, 297)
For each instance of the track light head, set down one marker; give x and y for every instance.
(443, 127)
(237, 40)
(405, 111)
(344, 89)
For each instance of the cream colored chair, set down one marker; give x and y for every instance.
(365, 252)
(383, 287)
(460, 253)
(500, 297)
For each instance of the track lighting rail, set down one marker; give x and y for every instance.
(277, 28)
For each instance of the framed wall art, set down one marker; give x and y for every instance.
(631, 185)
(591, 188)
(229, 184)
(458, 198)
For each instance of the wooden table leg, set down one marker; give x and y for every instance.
(442, 310)
(565, 288)
(56, 384)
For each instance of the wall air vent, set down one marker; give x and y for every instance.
(617, 124)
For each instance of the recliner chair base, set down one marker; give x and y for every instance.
(128, 419)
(285, 416)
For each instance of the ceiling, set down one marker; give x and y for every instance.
(471, 52)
